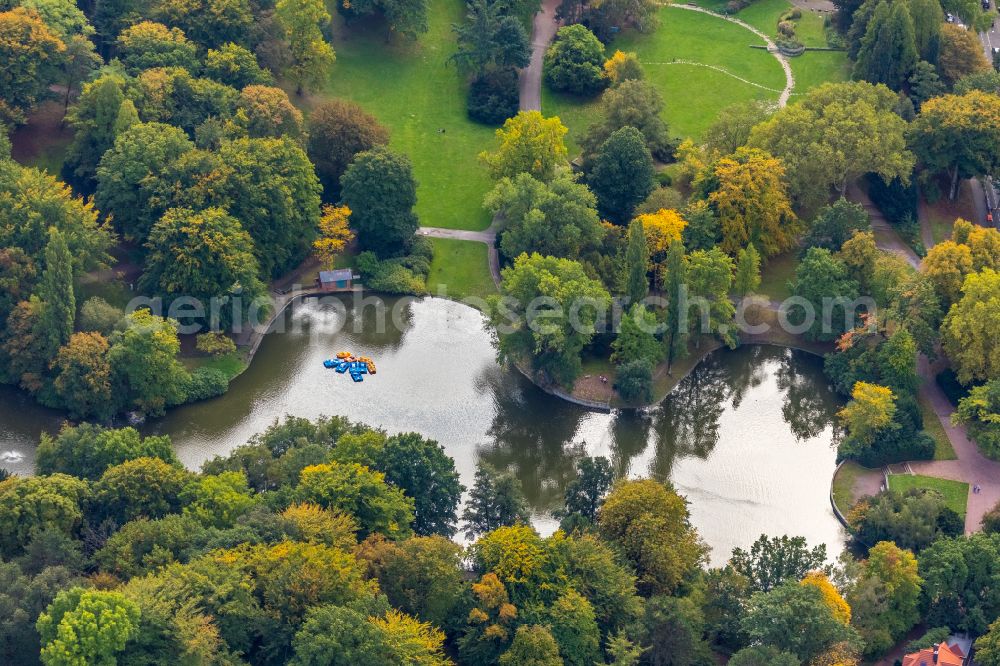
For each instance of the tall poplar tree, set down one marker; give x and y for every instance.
(56, 292)
(636, 263)
(675, 333)
(888, 50)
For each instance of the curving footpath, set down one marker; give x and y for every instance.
(543, 29)
(772, 48)
(970, 465)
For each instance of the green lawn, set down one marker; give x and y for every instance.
(943, 449)
(693, 94)
(460, 268)
(775, 275)
(814, 68)
(956, 493)
(231, 365)
(410, 87)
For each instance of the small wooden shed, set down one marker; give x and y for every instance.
(338, 280)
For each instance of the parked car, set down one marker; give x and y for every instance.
(986, 4)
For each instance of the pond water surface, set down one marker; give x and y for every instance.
(748, 437)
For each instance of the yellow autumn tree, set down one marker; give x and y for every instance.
(691, 162)
(749, 194)
(411, 641)
(528, 143)
(334, 233)
(661, 228)
(836, 603)
(871, 408)
(622, 67)
(318, 525)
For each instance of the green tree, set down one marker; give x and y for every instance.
(925, 83)
(988, 646)
(634, 381)
(422, 576)
(87, 450)
(709, 280)
(139, 154)
(32, 55)
(673, 629)
(34, 201)
(56, 292)
(23, 598)
(584, 495)
(338, 636)
(837, 133)
(835, 224)
(675, 331)
(311, 57)
(146, 45)
(93, 118)
(533, 645)
(956, 573)
(634, 103)
(797, 618)
(273, 191)
(86, 627)
(557, 218)
(913, 519)
(80, 61)
(554, 334)
(823, 280)
(422, 469)
(267, 111)
(218, 500)
(573, 625)
(979, 411)
(208, 23)
(496, 500)
(149, 487)
(574, 63)
(622, 174)
(888, 50)
(144, 363)
(650, 523)
(204, 255)
(528, 143)
(339, 130)
(34, 503)
(969, 333)
(359, 492)
(773, 560)
(958, 134)
(380, 190)
(235, 66)
(885, 598)
(747, 278)
(636, 340)
(636, 263)
(731, 128)
(490, 39)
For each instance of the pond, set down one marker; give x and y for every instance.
(748, 436)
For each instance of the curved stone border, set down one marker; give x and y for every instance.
(833, 503)
(772, 48)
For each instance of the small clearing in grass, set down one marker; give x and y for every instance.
(460, 269)
(943, 449)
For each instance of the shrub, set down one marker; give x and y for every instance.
(493, 97)
(931, 638)
(215, 344)
(575, 62)
(206, 383)
(96, 314)
(902, 440)
(391, 276)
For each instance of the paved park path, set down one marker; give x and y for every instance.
(543, 29)
(970, 465)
